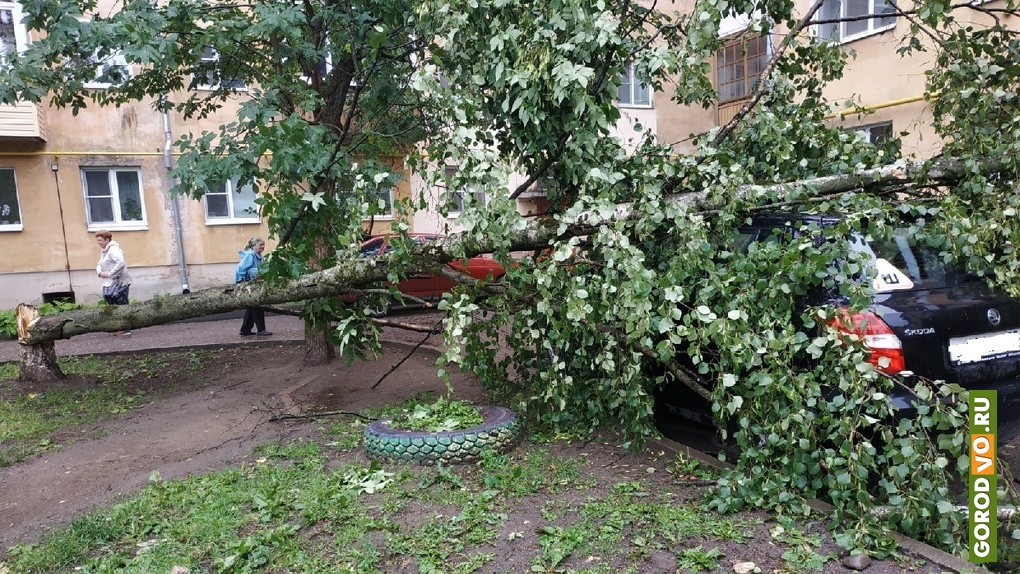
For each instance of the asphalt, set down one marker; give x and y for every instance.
(205, 332)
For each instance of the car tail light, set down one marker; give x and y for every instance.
(878, 338)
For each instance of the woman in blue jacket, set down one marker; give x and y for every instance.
(247, 270)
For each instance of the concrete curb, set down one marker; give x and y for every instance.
(926, 551)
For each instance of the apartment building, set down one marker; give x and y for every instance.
(638, 117)
(880, 95)
(64, 177)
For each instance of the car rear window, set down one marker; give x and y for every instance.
(904, 265)
(901, 263)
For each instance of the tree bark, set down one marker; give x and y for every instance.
(38, 362)
(429, 258)
(318, 349)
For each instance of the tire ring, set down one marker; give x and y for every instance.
(498, 432)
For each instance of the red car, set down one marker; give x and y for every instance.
(482, 267)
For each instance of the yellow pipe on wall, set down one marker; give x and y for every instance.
(867, 109)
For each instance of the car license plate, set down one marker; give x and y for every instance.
(977, 348)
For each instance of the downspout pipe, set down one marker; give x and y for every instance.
(178, 226)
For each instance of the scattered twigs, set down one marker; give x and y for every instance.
(401, 361)
(288, 416)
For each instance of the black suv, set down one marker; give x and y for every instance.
(926, 319)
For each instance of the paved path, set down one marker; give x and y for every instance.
(212, 331)
(220, 330)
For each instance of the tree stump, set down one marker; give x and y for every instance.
(38, 361)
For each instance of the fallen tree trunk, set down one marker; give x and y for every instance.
(37, 332)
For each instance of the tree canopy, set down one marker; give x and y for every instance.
(341, 94)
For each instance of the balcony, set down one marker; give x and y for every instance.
(22, 121)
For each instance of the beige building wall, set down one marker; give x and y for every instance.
(889, 87)
(53, 252)
(892, 87)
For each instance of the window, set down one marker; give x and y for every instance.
(13, 37)
(907, 264)
(384, 197)
(10, 208)
(322, 69)
(231, 204)
(738, 64)
(633, 91)
(113, 198)
(875, 134)
(111, 67)
(459, 193)
(857, 24)
(216, 74)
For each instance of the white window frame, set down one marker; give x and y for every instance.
(113, 60)
(458, 194)
(874, 24)
(210, 54)
(377, 196)
(118, 223)
(20, 33)
(634, 87)
(327, 67)
(19, 226)
(865, 132)
(230, 190)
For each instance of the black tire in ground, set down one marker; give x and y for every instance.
(498, 433)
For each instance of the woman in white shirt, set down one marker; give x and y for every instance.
(112, 269)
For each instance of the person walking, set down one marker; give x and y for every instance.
(247, 270)
(112, 269)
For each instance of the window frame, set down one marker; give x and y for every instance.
(20, 225)
(118, 223)
(383, 216)
(20, 32)
(740, 41)
(214, 58)
(229, 190)
(836, 31)
(114, 59)
(458, 194)
(632, 84)
(866, 131)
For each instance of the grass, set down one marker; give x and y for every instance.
(305, 507)
(316, 505)
(35, 421)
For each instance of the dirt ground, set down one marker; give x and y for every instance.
(216, 416)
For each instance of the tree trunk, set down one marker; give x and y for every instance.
(34, 330)
(318, 349)
(38, 362)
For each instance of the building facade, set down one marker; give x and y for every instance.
(64, 177)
